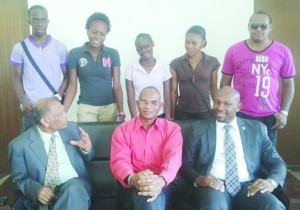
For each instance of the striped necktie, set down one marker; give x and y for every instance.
(231, 172)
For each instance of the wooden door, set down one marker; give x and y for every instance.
(286, 29)
(14, 27)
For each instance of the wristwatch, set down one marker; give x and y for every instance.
(285, 113)
(128, 180)
(58, 97)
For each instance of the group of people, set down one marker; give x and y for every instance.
(230, 161)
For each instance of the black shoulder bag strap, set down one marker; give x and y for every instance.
(199, 92)
(37, 68)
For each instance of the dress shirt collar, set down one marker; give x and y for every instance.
(46, 137)
(139, 123)
(233, 123)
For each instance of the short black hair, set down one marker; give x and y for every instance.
(198, 30)
(262, 13)
(97, 16)
(143, 36)
(35, 7)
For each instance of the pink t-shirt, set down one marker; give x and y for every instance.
(134, 149)
(257, 74)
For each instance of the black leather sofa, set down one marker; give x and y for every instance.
(105, 187)
(103, 182)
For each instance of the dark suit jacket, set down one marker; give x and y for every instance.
(262, 159)
(28, 160)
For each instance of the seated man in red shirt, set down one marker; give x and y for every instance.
(146, 155)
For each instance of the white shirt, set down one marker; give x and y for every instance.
(65, 168)
(218, 166)
(141, 78)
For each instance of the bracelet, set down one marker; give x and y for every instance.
(121, 114)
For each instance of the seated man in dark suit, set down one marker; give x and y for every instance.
(46, 166)
(227, 157)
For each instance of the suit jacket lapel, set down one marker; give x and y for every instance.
(246, 141)
(37, 146)
(212, 140)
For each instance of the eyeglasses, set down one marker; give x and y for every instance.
(255, 26)
(151, 103)
(37, 20)
(145, 47)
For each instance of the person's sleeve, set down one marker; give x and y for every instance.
(174, 64)
(20, 178)
(172, 153)
(16, 57)
(116, 62)
(228, 67)
(72, 60)
(120, 160)
(191, 146)
(167, 72)
(271, 160)
(128, 72)
(216, 64)
(63, 56)
(288, 68)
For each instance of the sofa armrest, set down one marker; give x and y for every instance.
(7, 189)
(291, 189)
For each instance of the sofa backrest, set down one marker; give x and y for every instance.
(100, 135)
(103, 182)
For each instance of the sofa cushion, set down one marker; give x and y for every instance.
(103, 183)
(100, 135)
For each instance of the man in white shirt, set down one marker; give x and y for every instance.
(258, 169)
(29, 156)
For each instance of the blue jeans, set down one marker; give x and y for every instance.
(211, 199)
(130, 199)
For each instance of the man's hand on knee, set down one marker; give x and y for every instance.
(141, 179)
(46, 196)
(210, 181)
(154, 188)
(260, 185)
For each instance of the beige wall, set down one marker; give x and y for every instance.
(286, 29)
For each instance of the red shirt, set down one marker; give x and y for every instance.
(134, 149)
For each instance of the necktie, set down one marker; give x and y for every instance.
(231, 173)
(52, 174)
